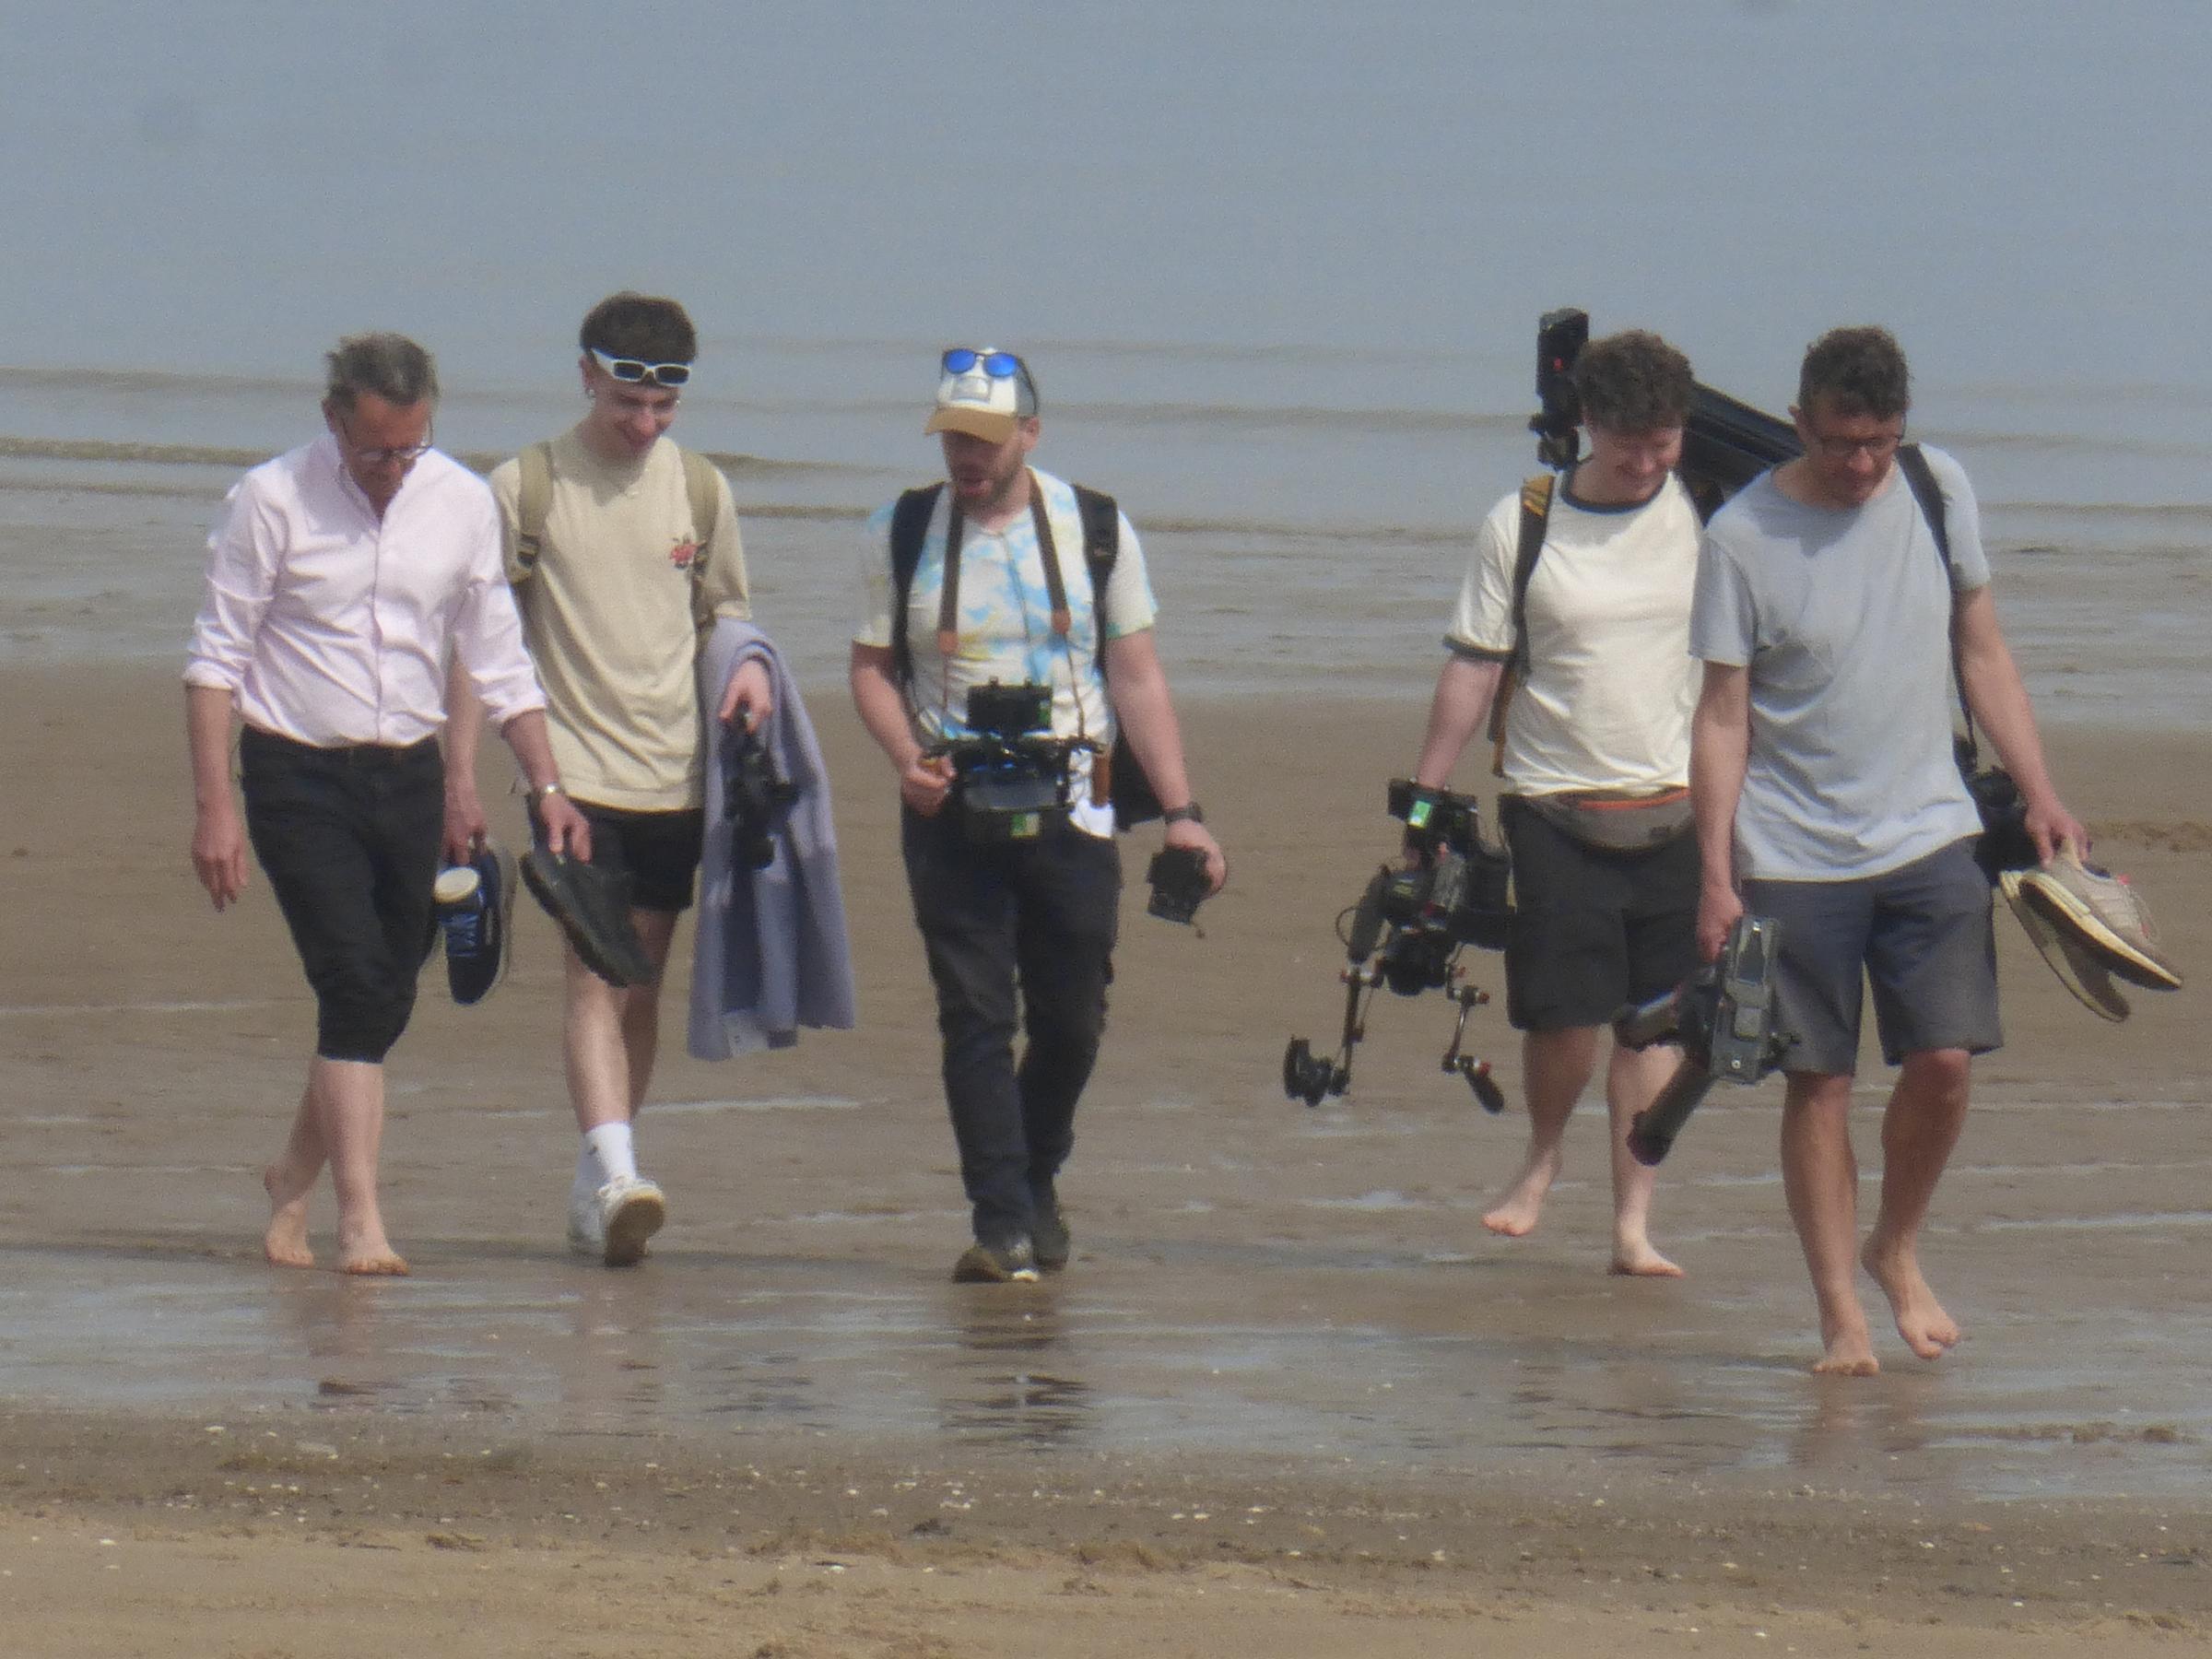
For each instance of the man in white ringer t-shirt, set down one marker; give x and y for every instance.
(1600, 720)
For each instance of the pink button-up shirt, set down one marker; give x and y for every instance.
(330, 626)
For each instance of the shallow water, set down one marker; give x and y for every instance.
(1450, 1360)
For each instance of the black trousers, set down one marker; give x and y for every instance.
(350, 838)
(1020, 934)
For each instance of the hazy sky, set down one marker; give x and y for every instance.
(2019, 187)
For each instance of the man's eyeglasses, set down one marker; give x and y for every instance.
(635, 371)
(1880, 447)
(966, 359)
(404, 454)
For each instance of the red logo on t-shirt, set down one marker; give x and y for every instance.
(682, 555)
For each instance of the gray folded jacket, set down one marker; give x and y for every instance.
(771, 953)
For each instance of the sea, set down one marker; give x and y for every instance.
(1277, 266)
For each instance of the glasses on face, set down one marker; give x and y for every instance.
(1880, 447)
(966, 359)
(635, 371)
(399, 454)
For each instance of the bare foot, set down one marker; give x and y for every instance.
(1920, 1321)
(1637, 1259)
(1514, 1215)
(1850, 1347)
(385, 1263)
(286, 1241)
(367, 1253)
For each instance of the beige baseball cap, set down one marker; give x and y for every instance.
(983, 393)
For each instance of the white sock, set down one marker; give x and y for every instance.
(612, 1152)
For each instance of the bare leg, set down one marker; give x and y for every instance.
(610, 1036)
(1925, 1117)
(349, 1107)
(289, 1182)
(1820, 1177)
(1633, 1078)
(1555, 1067)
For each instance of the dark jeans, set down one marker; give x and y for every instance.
(349, 838)
(1040, 916)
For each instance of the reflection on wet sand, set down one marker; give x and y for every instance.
(1015, 1386)
(1573, 1375)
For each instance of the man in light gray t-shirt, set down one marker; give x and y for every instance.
(1827, 796)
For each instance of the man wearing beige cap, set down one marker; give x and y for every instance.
(1005, 585)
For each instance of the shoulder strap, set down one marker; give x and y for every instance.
(1535, 515)
(699, 479)
(1921, 477)
(533, 500)
(909, 526)
(1914, 462)
(1101, 545)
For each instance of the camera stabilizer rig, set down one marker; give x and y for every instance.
(1723, 1016)
(1011, 778)
(1413, 921)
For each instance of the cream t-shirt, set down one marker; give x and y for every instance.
(1611, 683)
(613, 608)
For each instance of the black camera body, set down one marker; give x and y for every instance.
(1012, 780)
(1560, 336)
(2004, 843)
(1452, 891)
(755, 801)
(1725, 1018)
(1178, 885)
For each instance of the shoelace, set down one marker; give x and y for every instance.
(464, 929)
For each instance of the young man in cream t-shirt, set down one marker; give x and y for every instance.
(1602, 714)
(616, 587)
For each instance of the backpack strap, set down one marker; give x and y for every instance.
(699, 480)
(1536, 516)
(533, 500)
(1914, 462)
(1116, 776)
(909, 526)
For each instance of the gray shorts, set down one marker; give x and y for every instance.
(1923, 938)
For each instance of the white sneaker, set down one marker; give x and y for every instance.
(587, 1233)
(632, 1210)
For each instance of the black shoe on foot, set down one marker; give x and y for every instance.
(1051, 1242)
(1014, 1262)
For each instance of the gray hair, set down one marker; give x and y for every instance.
(389, 366)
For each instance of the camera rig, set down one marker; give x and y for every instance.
(1012, 780)
(755, 799)
(1723, 1016)
(1406, 932)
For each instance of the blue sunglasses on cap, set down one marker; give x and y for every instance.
(966, 359)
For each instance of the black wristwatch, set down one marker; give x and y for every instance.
(1189, 813)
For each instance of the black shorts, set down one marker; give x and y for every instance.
(1592, 929)
(657, 851)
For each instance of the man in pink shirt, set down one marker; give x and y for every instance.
(345, 573)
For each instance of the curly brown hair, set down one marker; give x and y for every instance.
(1633, 382)
(1855, 371)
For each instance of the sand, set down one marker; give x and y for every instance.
(1289, 1397)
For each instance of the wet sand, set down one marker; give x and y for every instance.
(1290, 1392)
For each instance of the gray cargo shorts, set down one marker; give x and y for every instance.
(1923, 937)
